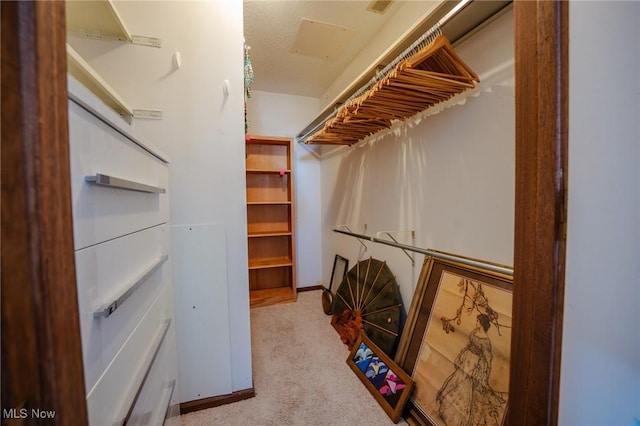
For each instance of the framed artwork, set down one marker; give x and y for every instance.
(456, 344)
(386, 381)
(340, 267)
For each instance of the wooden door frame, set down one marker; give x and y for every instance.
(41, 348)
(541, 74)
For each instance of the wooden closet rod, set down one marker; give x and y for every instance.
(454, 22)
(505, 270)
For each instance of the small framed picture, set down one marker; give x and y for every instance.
(386, 381)
(340, 267)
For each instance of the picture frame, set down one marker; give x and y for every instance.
(385, 380)
(456, 343)
(340, 268)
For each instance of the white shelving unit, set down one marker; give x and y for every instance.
(100, 20)
(88, 77)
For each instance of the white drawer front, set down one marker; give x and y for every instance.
(104, 273)
(112, 397)
(102, 213)
(159, 390)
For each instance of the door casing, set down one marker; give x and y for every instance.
(41, 348)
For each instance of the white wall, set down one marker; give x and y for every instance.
(448, 176)
(600, 375)
(203, 133)
(273, 114)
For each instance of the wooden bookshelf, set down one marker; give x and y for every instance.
(270, 220)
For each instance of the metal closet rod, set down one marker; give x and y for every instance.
(466, 261)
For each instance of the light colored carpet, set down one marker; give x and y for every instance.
(300, 374)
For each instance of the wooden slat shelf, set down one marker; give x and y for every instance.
(267, 171)
(269, 220)
(268, 234)
(274, 262)
(267, 203)
(271, 296)
(266, 140)
(269, 187)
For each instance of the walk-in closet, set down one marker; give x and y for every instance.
(292, 212)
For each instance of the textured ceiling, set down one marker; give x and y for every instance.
(271, 29)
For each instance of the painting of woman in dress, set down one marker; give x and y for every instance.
(466, 396)
(463, 363)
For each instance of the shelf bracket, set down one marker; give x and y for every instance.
(151, 114)
(135, 39)
(146, 40)
(358, 238)
(128, 118)
(388, 234)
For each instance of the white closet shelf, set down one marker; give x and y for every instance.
(82, 71)
(86, 99)
(99, 18)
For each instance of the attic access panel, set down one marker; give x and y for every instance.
(321, 40)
